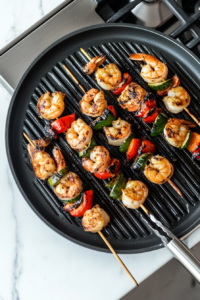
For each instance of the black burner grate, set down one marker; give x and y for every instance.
(120, 11)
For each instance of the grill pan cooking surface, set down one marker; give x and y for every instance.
(127, 231)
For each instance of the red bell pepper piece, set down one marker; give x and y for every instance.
(146, 147)
(112, 169)
(127, 79)
(85, 205)
(112, 109)
(175, 82)
(151, 115)
(196, 154)
(146, 106)
(133, 149)
(194, 145)
(63, 124)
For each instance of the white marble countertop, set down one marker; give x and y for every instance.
(35, 262)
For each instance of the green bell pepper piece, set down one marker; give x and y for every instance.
(141, 161)
(159, 125)
(86, 152)
(104, 121)
(54, 180)
(111, 183)
(74, 199)
(124, 147)
(187, 140)
(119, 184)
(161, 86)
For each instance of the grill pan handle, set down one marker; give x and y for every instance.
(185, 257)
(176, 247)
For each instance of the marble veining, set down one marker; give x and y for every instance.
(35, 262)
(41, 8)
(16, 268)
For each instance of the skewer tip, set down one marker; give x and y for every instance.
(175, 188)
(86, 54)
(192, 116)
(145, 209)
(117, 257)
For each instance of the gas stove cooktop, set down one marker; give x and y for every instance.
(180, 19)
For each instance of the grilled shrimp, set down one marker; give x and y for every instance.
(131, 97)
(134, 194)
(117, 134)
(43, 164)
(60, 161)
(51, 106)
(93, 103)
(175, 131)
(69, 187)
(95, 219)
(99, 160)
(93, 64)
(159, 170)
(108, 77)
(154, 70)
(177, 99)
(79, 135)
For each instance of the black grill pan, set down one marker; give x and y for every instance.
(126, 232)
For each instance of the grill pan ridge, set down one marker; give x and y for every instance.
(127, 232)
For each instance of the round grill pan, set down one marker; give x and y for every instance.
(127, 232)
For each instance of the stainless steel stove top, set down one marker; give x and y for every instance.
(178, 18)
(18, 55)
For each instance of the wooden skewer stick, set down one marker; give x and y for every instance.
(86, 54)
(192, 116)
(74, 78)
(175, 188)
(99, 232)
(116, 256)
(28, 139)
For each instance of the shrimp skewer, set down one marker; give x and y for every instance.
(51, 106)
(79, 135)
(99, 160)
(94, 220)
(99, 104)
(132, 97)
(108, 77)
(43, 164)
(154, 70)
(178, 100)
(131, 94)
(70, 185)
(118, 133)
(93, 103)
(160, 170)
(134, 194)
(176, 130)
